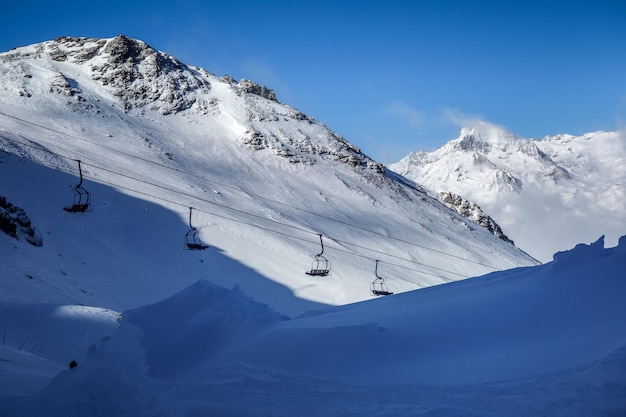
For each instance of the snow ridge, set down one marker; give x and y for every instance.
(262, 177)
(159, 330)
(535, 189)
(473, 212)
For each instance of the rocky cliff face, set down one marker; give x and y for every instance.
(135, 72)
(15, 223)
(473, 212)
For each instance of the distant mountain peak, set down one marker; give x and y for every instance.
(561, 185)
(487, 131)
(483, 137)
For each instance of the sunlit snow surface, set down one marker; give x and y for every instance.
(545, 340)
(239, 329)
(264, 181)
(546, 194)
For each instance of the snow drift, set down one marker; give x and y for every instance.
(239, 329)
(550, 336)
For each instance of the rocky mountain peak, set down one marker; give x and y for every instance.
(122, 49)
(136, 73)
(484, 137)
(82, 74)
(142, 76)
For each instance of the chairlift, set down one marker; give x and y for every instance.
(82, 197)
(378, 286)
(320, 266)
(191, 237)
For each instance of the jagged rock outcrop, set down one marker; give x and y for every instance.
(142, 76)
(15, 223)
(473, 212)
(258, 89)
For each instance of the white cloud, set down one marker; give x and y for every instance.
(460, 119)
(413, 116)
(620, 119)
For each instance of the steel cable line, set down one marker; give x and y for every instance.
(256, 216)
(113, 184)
(251, 194)
(154, 185)
(290, 235)
(230, 208)
(256, 195)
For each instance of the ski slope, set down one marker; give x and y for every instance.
(475, 326)
(264, 181)
(530, 341)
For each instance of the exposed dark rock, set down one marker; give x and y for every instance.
(141, 76)
(472, 143)
(123, 49)
(254, 88)
(229, 79)
(15, 223)
(474, 213)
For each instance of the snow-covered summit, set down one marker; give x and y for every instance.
(111, 315)
(483, 136)
(89, 76)
(547, 194)
(156, 137)
(135, 73)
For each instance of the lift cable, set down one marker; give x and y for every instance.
(256, 195)
(228, 208)
(155, 197)
(259, 217)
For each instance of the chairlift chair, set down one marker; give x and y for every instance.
(82, 197)
(191, 237)
(320, 266)
(378, 286)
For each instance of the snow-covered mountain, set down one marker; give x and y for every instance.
(155, 137)
(158, 330)
(546, 194)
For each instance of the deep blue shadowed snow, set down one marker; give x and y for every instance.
(545, 340)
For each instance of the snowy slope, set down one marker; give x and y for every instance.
(546, 194)
(156, 137)
(544, 340)
(158, 330)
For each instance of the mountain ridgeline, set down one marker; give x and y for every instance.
(267, 182)
(547, 194)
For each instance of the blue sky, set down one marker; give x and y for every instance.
(390, 76)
